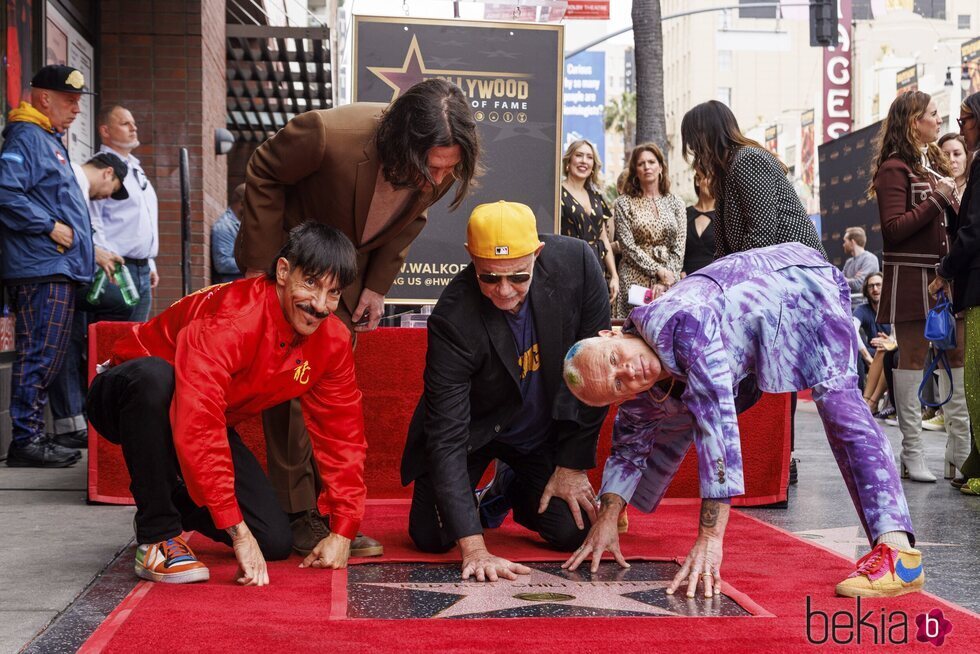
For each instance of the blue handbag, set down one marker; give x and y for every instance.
(940, 331)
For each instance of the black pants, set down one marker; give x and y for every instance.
(129, 405)
(533, 470)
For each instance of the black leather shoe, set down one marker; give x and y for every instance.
(77, 440)
(40, 452)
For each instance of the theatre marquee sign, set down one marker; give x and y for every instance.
(511, 75)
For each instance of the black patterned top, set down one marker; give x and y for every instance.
(759, 206)
(576, 223)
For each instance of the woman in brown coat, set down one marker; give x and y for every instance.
(911, 179)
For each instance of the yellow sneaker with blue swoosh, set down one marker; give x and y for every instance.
(885, 571)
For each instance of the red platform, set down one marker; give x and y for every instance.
(389, 372)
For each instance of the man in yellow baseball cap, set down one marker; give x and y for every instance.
(493, 391)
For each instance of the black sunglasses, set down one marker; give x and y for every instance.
(513, 278)
(963, 121)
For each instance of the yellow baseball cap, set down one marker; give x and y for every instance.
(502, 230)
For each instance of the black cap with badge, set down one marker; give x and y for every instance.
(109, 160)
(60, 78)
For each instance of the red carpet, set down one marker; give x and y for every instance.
(389, 373)
(301, 610)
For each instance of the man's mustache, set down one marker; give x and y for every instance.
(313, 312)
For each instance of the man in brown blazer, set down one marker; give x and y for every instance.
(370, 170)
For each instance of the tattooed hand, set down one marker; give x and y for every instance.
(703, 562)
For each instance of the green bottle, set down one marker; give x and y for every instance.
(97, 288)
(126, 285)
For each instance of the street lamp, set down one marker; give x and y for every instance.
(964, 77)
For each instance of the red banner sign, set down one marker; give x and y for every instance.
(587, 10)
(837, 118)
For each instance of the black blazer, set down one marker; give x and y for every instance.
(962, 264)
(471, 377)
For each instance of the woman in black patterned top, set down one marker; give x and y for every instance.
(699, 250)
(756, 204)
(584, 213)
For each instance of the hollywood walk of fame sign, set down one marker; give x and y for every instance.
(511, 74)
(429, 590)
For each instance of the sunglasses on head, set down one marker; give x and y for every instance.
(513, 278)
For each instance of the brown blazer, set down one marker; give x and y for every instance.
(323, 166)
(914, 229)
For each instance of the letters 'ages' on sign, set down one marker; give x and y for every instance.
(837, 79)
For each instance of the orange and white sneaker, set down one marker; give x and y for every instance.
(170, 562)
(885, 571)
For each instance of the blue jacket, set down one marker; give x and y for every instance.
(37, 187)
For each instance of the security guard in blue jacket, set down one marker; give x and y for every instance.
(46, 236)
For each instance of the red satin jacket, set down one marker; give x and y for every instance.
(234, 355)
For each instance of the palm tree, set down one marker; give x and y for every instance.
(620, 116)
(648, 43)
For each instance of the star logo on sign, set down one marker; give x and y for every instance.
(479, 597)
(413, 70)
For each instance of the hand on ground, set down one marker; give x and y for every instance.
(484, 566)
(332, 552)
(251, 564)
(702, 565)
(603, 537)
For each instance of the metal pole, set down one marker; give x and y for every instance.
(185, 223)
(629, 28)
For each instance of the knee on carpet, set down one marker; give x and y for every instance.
(277, 546)
(565, 535)
(428, 541)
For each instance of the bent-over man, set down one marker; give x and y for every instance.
(783, 315)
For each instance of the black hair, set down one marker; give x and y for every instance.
(319, 250)
(433, 113)
(972, 103)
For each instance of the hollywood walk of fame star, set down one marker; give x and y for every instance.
(413, 70)
(482, 597)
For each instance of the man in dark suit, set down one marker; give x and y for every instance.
(493, 390)
(371, 170)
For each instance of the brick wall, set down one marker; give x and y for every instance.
(164, 60)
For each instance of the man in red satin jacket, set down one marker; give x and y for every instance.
(175, 387)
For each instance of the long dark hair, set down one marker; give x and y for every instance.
(318, 250)
(431, 114)
(709, 137)
(972, 104)
(632, 187)
(897, 139)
